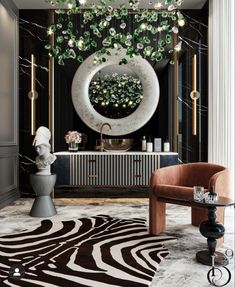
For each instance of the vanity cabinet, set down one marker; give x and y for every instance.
(109, 169)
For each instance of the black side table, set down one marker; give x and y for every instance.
(212, 230)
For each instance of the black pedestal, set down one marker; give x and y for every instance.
(219, 275)
(212, 230)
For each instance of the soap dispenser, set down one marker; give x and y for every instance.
(149, 145)
(144, 145)
(166, 146)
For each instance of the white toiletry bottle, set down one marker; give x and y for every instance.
(149, 146)
(166, 146)
(144, 145)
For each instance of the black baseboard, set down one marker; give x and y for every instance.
(101, 192)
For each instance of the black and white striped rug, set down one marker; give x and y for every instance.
(99, 251)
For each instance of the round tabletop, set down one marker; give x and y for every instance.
(220, 202)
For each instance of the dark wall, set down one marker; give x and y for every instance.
(193, 148)
(32, 29)
(33, 39)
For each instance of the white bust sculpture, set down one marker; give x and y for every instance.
(43, 148)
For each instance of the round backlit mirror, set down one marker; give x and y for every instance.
(127, 124)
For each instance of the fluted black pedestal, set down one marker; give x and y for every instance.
(43, 185)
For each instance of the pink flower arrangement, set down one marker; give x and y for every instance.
(73, 136)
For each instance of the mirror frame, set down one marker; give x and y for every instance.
(130, 123)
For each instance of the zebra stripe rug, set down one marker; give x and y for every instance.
(99, 251)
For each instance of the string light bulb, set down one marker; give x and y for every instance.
(49, 31)
(178, 46)
(82, 2)
(158, 5)
(70, 5)
(181, 22)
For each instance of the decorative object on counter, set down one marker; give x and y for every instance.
(115, 95)
(159, 21)
(33, 95)
(166, 146)
(43, 181)
(144, 143)
(194, 95)
(75, 140)
(117, 145)
(198, 193)
(149, 146)
(73, 146)
(157, 147)
(43, 148)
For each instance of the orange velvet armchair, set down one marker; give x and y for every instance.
(174, 184)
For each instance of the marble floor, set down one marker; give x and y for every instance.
(179, 269)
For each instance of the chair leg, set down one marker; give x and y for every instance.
(220, 219)
(198, 215)
(157, 215)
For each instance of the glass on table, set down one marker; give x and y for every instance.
(198, 193)
(210, 197)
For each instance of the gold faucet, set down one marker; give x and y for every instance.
(101, 135)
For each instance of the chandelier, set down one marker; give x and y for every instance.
(104, 26)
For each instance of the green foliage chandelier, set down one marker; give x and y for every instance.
(153, 29)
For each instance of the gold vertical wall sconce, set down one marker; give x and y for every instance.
(51, 123)
(175, 118)
(32, 95)
(195, 95)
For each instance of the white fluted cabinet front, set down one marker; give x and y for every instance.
(109, 169)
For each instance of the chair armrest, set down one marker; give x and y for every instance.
(222, 184)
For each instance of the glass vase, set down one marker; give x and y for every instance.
(73, 146)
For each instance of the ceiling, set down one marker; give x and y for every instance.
(41, 4)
